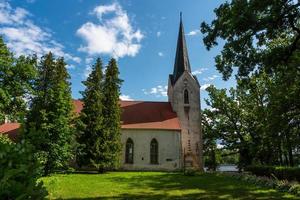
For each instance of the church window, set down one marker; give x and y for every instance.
(186, 97)
(154, 151)
(129, 151)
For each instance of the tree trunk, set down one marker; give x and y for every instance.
(290, 150)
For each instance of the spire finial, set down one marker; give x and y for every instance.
(180, 16)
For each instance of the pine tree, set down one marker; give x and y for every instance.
(90, 122)
(112, 116)
(48, 125)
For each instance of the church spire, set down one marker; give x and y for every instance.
(182, 62)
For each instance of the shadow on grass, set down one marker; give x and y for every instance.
(171, 186)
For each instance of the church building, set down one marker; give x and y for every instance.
(160, 135)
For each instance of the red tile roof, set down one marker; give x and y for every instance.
(144, 115)
(135, 115)
(11, 130)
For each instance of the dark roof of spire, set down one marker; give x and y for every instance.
(182, 62)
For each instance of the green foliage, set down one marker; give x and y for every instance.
(48, 125)
(210, 136)
(91, 121)
(281, 173)
(248, 27)
(190, 172)
(112, 115)
(295, 189)
(257, 180)
(228, 157)
(19, 172)
(16, 81)
(279, 185)
(99, 135)
(226, 118)
(259, 119)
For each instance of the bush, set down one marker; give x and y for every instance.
(190, 172)
(19, 171)
(295, 189)
(280, 185)
(281, 173)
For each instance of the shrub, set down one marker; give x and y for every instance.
(281, 173)
(189, 172)
(295, 189)
(19, 171)
(280, 185)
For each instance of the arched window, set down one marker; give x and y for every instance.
(186, 96)
(129, 151)
(154, 151)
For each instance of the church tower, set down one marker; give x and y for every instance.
(184, 96)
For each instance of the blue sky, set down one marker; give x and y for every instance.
(141, 34)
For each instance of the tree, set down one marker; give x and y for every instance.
(262, 39)
(112, 116)
(248, 27)
(259, 119)
(48, 125)
(211, 134)
(19, 171)
(91, 121)
(227, 114)
(16, 81)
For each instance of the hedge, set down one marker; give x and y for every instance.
(282, 173)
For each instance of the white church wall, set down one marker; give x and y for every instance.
(169, 149)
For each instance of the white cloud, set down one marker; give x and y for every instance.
(220, 146)
(125, 97)
(113, 36)
(24, 37)
(11, 16)
(76, 59)
(193, 32)
(159, 91)
(88, 60)
(203, 87)
(70, 67)
(87, 71)
(211, 78)
(158, 33)
(199, 71)
(161, 54)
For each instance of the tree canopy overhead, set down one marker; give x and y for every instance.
(258, 34)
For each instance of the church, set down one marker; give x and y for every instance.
(164, 135)
(159, 135)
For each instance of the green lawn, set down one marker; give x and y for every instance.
(154, 185)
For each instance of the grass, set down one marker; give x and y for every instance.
(154, 185)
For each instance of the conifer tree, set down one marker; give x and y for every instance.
(112, 116)
(48, 125)
(90, 122)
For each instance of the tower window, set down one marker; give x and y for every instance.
(186, 96)
(129, 151)
(154, 151)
